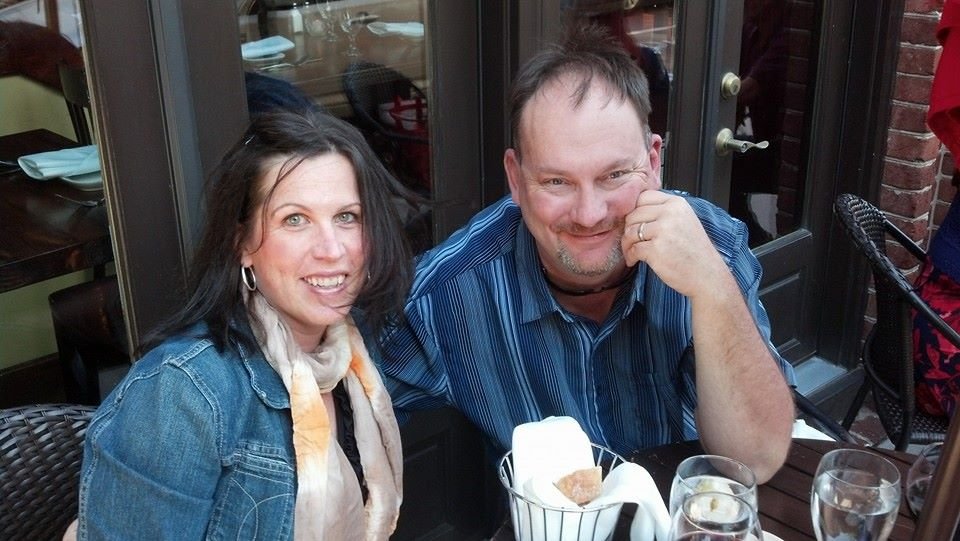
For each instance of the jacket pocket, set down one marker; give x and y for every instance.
(256, 496)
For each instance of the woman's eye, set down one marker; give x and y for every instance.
(295, 219)
(347, 217)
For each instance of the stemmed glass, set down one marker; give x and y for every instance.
(329, 22)
(855, 495)
(715, 516)
(712, 473)
(920, 475)
(351, 26)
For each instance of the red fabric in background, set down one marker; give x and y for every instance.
(944, 113)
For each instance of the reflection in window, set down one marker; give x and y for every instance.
(647, 33)
(363, 60)
(40, 39)
(776, 63)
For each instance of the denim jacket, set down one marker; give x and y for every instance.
(193, 444)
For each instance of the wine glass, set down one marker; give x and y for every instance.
(712, 473)
(855, 495)
(351, 25)
(920, 475)
(715, 516)
(329, 22)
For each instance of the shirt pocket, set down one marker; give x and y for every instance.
(256, 495)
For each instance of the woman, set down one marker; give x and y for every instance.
(258, 414)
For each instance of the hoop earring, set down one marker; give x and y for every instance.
(248, 278)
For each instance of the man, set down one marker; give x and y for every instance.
(587, 291)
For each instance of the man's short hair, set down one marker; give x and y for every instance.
(589, 51)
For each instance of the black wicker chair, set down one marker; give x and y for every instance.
(887, 354)
(41, 448)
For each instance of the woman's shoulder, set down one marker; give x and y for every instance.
(189, 363)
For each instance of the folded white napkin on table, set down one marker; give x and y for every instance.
(59, 163)
(410, 30)
(547, 450)
(802, 430)
(265, 47)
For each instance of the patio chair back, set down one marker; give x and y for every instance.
(41, 449)
(887, 353)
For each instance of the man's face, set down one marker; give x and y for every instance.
(579, 174)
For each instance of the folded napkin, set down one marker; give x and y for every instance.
(802, 430)
(59, 163)
(552, 448)
(410, 30)
(265, 47)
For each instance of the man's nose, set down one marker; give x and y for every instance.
(589, 208)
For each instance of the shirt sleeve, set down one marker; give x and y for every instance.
(151, 462)
(411, 362)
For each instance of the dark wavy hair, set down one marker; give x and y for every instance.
(233, 195)
(588, 51)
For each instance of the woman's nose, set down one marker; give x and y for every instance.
(327, 244)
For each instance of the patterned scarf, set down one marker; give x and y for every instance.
(329, 504)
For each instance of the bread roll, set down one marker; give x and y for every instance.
(581, 486)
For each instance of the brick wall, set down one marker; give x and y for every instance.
(915, 190)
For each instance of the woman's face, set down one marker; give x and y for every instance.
(306, 245)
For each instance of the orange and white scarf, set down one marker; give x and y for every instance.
(329, 504)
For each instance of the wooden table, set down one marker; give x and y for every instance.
(784, 501)
(41, 235)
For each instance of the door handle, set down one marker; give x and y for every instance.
(726, 143)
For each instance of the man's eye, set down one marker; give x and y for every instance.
(555, 181)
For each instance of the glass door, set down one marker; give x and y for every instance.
(734, 91)
(362, 60)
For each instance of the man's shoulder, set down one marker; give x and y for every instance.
(487, 238)
(726, 232)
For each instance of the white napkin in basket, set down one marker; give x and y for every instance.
(59, 163)
(547, 450)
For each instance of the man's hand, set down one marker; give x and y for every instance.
(745, 409)
(673, 243)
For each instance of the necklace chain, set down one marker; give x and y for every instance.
(584, 292)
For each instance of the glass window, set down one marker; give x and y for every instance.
(363, 60)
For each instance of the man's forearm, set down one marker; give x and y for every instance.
(745, 410)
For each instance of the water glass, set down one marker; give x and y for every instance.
(715, 516)
(712, 473)
(855, 495)
(920, 475)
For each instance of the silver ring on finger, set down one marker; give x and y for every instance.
(640, 232)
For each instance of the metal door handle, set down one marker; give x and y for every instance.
(726, 143)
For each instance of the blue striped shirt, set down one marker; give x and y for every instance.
(485, 335)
